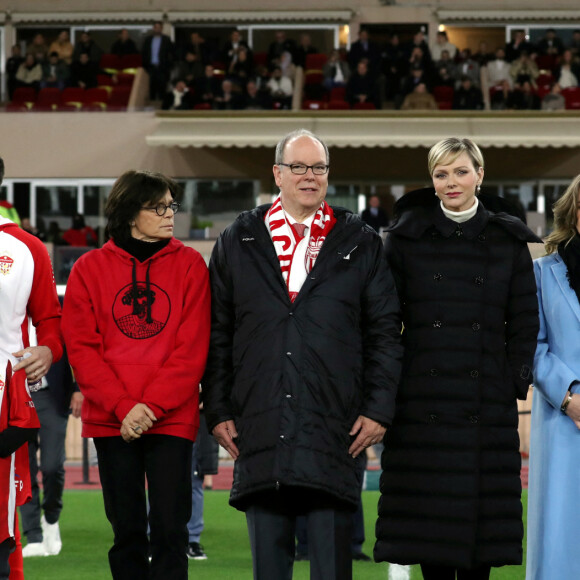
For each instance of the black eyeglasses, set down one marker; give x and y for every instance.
(161, 208)
(301, 169)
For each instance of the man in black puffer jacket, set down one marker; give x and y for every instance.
(304, 362)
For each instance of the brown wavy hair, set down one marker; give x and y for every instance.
(565, 218)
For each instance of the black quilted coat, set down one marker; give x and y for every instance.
(294, 377)
(450, 489)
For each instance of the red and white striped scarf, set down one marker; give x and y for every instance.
(297, 255)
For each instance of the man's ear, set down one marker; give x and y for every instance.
(277, 175)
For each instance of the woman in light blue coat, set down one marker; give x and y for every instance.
(554, 479)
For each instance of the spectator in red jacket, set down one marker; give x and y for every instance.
(80, 234)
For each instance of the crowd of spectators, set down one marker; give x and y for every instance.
(58, 64)
(405, 75)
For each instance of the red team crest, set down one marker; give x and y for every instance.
(5, 264)
(314, 245)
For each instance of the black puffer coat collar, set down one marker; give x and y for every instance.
(420, 210)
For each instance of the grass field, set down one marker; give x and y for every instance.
(87, 536)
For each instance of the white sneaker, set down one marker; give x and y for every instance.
(51, 534)
(34, 549)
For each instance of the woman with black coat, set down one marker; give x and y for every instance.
(451, 467)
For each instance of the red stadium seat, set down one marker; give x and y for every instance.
(104, 81)
(131, 62)
(364, 106)
(125, 79)
(572, 96)
(337, 93)
(95, 99)
(111, 63)
(72, 97)
(545, 79)
(23, 98)
(546, 62)
(443, 93)
(119, 98)
(48, 99)
(260, 59)
(313, 78)
(202, 107)
(315, 62)
(338, 105)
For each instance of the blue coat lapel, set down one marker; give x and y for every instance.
(560, 273)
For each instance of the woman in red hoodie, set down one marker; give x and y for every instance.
(136, 322)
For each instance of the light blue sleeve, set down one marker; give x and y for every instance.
(552, 377)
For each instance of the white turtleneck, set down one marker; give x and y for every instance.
(461, 216)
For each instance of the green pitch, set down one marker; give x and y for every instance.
(87, 536)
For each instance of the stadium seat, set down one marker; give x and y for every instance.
(23, 98)
(119, 98)
(260, 59)
(111, 63)
(443, 96)
(545, 78)
(72, 97)
(48, 99)
(572, 97)
(95, 100)
(337, 93)
(131, 62)
(338, 105)
(546, 61)
(364, 106)
(313, 78)
(125, 79)
(315, 62)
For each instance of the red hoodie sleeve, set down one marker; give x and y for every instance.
(43, 305)
(187, 363)
(85, 347)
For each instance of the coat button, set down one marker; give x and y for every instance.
(281, 436)
(474, 374)
(478, 280)
(481, 237)
(437, 324)
(290, 313)
(288, 396)
(476, 326)
(458, 232)
(433, 418)
(434, 372)
(434, 235)
(474, 419)
(289, 353)
(438, 277)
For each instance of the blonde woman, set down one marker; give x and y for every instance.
(451, 466)
(553, 509)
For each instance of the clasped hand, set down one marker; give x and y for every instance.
(138, 420)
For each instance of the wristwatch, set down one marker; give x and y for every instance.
(566, 402)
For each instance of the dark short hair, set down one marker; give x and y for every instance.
(130, 192)
(1, 170)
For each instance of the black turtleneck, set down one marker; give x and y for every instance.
(140, 249)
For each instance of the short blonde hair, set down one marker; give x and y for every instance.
(448, 150)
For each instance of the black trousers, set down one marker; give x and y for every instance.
(358, 523)
(272, 527)
(6, 548)
(166, 463)
(448, 573)
(50, 441)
